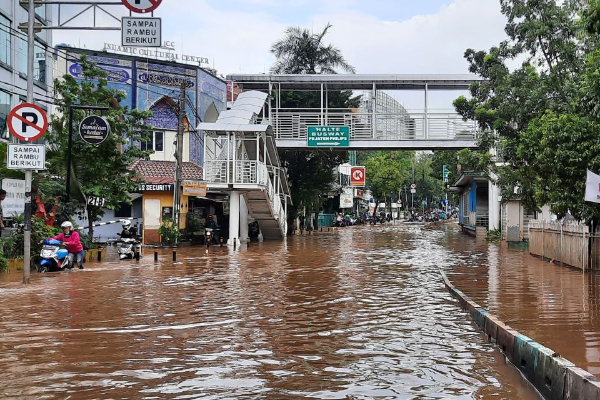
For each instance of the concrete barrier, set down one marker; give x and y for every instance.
(479, 315)
(506, 340)
(581, 385)
(550, 371)
(553, 376)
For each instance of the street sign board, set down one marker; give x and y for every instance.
(141, 32)
(96, 201)
(413, 185)
(94, 129)
(26, 156)
(194, 188)
(27, 122)
(141, 6)
(445, 173)
(328, 136)
(413, 191)
(358, 176)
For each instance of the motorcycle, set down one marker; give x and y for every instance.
(54, 257)
(210, 237)
(129, 248)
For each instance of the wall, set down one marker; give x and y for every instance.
(169, 148)
(150, 236)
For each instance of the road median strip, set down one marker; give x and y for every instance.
(555, 377)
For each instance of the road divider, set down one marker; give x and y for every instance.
(555, 377)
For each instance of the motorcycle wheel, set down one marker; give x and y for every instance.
(42, 269)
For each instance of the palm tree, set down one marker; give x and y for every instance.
(303, 52)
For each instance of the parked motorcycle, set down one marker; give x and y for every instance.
(129, 248)
(54, 257)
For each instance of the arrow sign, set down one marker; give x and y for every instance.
(27, 122)
(141, 6)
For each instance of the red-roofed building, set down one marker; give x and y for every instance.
(157, 193)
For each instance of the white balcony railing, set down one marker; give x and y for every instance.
(293, 124)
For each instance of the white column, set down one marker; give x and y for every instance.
(493, 205)
(234, 219)
(426, 119)
(243, 220)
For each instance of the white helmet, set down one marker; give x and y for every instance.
(126, 224)
(67, 224)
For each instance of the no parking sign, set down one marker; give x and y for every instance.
(27, 122)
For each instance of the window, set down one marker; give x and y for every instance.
(4, 40)
(155, 142)
(39, 57)
(4, 110)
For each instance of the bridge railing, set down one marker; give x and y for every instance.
(293, 124)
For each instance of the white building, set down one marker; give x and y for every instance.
(13, 59)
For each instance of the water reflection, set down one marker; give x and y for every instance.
(358, 313)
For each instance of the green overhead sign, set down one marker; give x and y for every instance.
(328, 136)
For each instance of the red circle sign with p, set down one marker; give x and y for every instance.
(141, 6)
(27, 122)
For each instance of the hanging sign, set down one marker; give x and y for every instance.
(94, 129)
(357, 176)
(141, 6)
(194, 188)
(346, 200)
(27, 122)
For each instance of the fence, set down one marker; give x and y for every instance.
(326, 220)
(565, 243)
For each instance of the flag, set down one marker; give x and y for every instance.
(592, 187)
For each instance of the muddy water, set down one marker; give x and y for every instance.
(357, 314)
(556, 305)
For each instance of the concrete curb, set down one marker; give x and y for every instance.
(553, 376)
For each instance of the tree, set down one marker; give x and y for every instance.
(301, 51)
(310, 172)
(100, 170)
(387, 172)
(517, 107)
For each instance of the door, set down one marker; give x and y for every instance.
(151, 221)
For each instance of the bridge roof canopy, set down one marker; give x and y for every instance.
(356, 81)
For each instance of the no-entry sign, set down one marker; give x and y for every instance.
(27, 122)
(141, 6)
(357, 176)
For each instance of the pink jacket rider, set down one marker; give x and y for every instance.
(71, 241)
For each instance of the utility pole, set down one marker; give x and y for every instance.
(28, 173)
(179, 156)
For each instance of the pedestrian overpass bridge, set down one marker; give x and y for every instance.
(380, 122)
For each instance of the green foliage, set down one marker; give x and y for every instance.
(100, 170)
(3, 263)
(387, 171)
(13, 246)
(301, 51)
(310, 172)
(544, 111)
(493, 236)
(168, 232)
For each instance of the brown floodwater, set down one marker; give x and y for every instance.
(556, 305)
(359, 313)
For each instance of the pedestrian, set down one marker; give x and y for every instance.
(70, 239)
(301, 219)
(2, 197)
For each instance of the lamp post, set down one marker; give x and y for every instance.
(70, 145)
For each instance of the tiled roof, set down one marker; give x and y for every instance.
(164, 171)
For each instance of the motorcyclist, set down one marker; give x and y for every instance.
(128, 231)
(211, 223)
(70, 238)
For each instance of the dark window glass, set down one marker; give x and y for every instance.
(4, 40)
(4, 110)
(158, 141)
(149, 143)
(123, 211)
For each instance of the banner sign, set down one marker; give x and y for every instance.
(346, 200)
(152, 187)
(194, 188)
(14, 203)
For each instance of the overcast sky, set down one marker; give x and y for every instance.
(375, 36)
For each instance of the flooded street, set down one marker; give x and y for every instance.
(359, 313)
